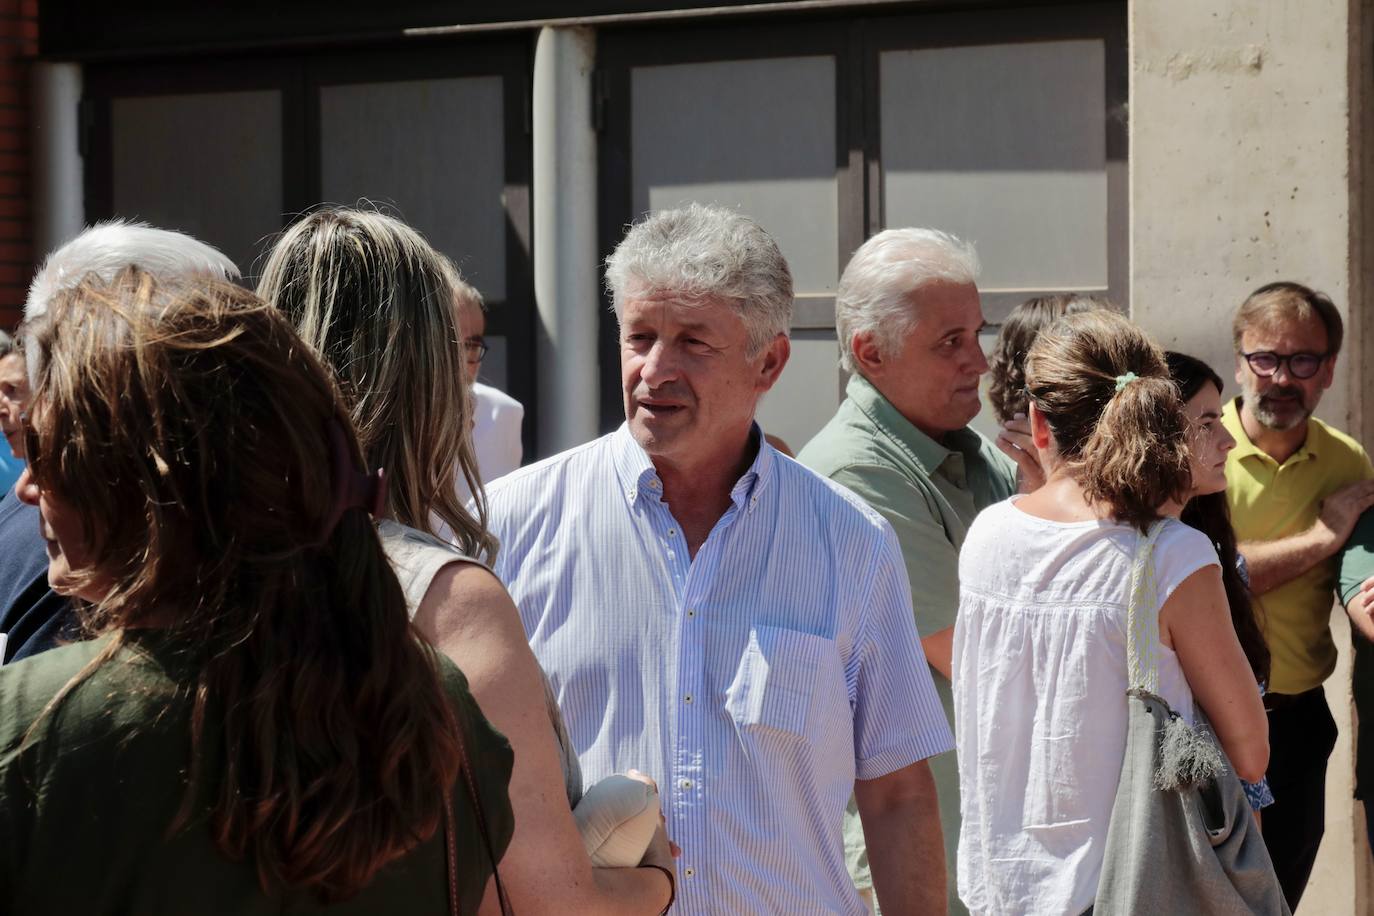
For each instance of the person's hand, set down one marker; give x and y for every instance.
(1361, 609)
(1014, 439)
(671, 848)
(662, 851)
(1341, 510)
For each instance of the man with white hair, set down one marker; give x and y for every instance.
(497, 416)
(719, 617)
(33, 618)
(907, 316)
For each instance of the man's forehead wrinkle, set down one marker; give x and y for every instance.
(681, 298)
(668, 303)
(923, 322)
(1266, 335)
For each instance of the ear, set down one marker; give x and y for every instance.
(867, 357)
(1040, 427)
(775, 357)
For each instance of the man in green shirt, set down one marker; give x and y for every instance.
(907, 316)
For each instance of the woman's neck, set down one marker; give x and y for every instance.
(1061, 499)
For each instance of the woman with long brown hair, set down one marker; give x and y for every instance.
(1200, 388)
(372, 297)
(255, 726)
(1040, 646)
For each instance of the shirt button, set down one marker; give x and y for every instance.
(686, 784)
(691, 612)
(672, 532)
(689, 871)
(687, 698)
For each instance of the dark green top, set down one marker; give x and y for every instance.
(85, 805)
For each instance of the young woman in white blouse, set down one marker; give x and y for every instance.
(1040, 642)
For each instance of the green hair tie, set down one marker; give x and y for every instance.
(1123, 380)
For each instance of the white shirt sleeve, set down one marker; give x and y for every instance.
(496, 434)
(898, 717)
(1180, 551)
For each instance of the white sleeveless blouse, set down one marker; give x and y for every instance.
(1040, 699)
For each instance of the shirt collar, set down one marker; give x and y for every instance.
(928, 454)
(1230, 417)
(637, 476)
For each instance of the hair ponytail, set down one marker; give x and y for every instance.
(1116, 417)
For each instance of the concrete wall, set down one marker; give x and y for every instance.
(1246, 167)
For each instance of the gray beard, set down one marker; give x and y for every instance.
(1271, 421)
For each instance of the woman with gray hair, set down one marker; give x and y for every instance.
(369, 293)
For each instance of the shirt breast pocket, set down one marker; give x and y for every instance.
(779, 674)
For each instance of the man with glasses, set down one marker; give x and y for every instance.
(497, 415)
(1296, 487)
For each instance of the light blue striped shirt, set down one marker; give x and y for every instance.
(754, 682)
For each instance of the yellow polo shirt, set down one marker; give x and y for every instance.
(1269, 501)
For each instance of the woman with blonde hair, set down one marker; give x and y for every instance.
(256, 726)
(371, 296)
(1040, 645)
(377, 302)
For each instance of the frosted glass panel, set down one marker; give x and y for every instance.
(207, 164)
(756, 135)
(433, 150)
(806, 396)
(1003, 145)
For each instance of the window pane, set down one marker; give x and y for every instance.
(1003, 145)
(757, 135)
(207, 164)
(808, 392)
(434, 150)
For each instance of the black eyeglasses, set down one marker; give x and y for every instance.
(474, 351)
(1265, 363)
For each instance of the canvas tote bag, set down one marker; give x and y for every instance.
(1182, 839)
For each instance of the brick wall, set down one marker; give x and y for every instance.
(18, 46)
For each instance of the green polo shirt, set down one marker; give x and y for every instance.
(1270, 501)
(930, 492)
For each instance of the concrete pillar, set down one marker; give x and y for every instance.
(1244, 138)
(566, 269)
(59, 210)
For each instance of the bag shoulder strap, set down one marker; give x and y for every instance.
(1142, 615)
(450, 838)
